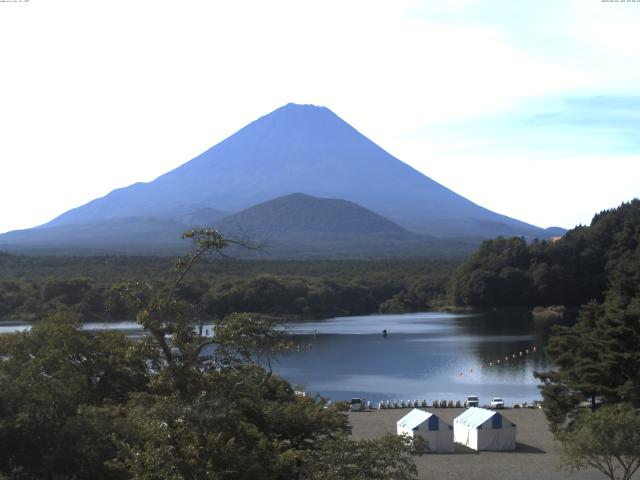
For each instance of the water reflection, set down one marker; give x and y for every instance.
(125, 326)
(425, 356)
(429, 355)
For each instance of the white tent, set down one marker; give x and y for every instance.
(482, 429)
(438, 434)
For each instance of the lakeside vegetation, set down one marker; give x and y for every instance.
(74, 403)
(33, 287)
(503, 272)
(571, 271)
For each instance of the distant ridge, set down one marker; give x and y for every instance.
(305, 217)
(302, 225)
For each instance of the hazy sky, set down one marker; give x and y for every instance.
(530, 108)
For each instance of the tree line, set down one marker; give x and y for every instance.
(596, 362)
(33, 287)
(571, 271)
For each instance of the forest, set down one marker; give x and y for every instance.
(571, 271)
(31, 287)
(503, 272)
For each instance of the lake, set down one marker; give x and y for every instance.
(431, 356)
(127, 326)
(424, 356)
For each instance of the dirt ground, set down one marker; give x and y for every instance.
(536, 456)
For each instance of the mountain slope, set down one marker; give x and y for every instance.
(122, 235)
(300, 216)
(292, 226)
(299, 225)
(303, 148)
(118, 234)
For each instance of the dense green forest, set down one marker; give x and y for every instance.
(76, 404)
(596, 361)
(571, 271)
(503, 272)
(598, 357)
(32, 287)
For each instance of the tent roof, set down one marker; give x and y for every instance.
(474, 417)
(414, 418)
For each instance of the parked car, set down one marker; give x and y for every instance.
(471, 401)
(497, 402)
(357, 405)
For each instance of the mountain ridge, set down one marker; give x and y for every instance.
(299, 214)
(305, 149)
(296, 148)
(291, 226)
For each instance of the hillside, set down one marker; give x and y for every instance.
(300, 225)
(299, 216)
(117, 235)
(579, 267)
(292, 226)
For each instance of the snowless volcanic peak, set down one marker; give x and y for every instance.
(306, 149)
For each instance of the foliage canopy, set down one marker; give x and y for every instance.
(75, 404)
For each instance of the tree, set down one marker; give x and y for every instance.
(255, 338)
(48, 376)
(607, 440)
(387, 458)
(572, 271)
(224, 414)
(596, 359)
(175, 404)
(175, 324)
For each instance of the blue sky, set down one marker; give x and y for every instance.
(530, 108)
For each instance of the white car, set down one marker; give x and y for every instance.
(471, 401)
(497, 402)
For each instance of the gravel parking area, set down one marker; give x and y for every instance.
(536, 455)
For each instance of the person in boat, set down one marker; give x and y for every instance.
(384, 333)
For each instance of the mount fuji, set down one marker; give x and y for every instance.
(301, 149)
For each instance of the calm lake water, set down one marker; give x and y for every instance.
(425, 356)
(130, 327)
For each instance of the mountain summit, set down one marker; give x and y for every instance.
(309, 149)
(294, 149)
